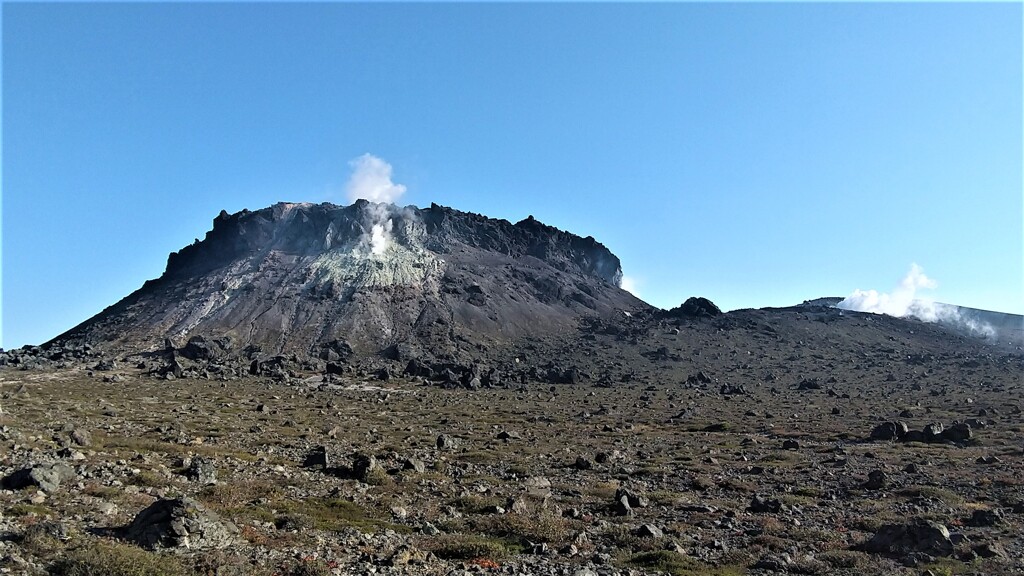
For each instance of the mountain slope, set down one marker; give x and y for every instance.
(302, 278)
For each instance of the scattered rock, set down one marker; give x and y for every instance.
(916, 536)
(70, 454)
(958, 432)
(365, 467)
(47, 477)
(318, 457)
(649, 531)
(537, 482)
(633, 498)
(406, 555)
(202, 471)
(583, 463)
(276, 367)
(699, 378)
(105, 365)
(809, 384)
(81, 437)
(991, 550)
(985, 518)
(694, 307)
(621, 507)
(414, 464)
(761, 505)
(199, 348)
(774, 562)
(446, 442)
(877, 480)
(180, 523)
(518, 505)
(933, 432)
(48, 529)
(890, 431)
(733, 390)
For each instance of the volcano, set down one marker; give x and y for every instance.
(321, 280)
(385, 357)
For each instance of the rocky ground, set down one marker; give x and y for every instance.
(799, 441)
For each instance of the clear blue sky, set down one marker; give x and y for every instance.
(755, 154)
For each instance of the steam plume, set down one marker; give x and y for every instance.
(631, 285)
(371, 180)
(899, 303)
(905, 301)
(379, 237)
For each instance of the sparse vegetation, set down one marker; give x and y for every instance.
(377, 477)
(664, 561)
(845, 559)
(942, 494)
(540, 527)
(148, 478)
(107, 558)
(27, 509)
(469, 547)
(39, 539)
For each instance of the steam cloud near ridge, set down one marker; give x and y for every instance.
(905, 301)
(631, 285)
(371, 180)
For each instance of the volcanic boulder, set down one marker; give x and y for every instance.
(695, 307)
(180, 522)
(916, 536)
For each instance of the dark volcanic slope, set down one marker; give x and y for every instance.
(295, 278)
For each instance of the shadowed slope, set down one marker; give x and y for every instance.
(294, 278)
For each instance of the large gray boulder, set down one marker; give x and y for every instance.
(48, 477)
(958, 432)
(202, 471)
(180, 523)
(890, 431)
(918, 536)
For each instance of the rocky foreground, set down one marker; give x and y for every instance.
(125, 471)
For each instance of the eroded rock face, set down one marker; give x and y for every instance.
(180, 522)
(292, 279)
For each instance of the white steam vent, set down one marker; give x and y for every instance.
(379, 237)
(371, 180)
(900, 302)
(905, 301)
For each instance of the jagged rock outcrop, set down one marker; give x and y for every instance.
(325, 281)
(180, 523)
(694, 307)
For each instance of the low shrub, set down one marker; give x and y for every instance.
(101, 558)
